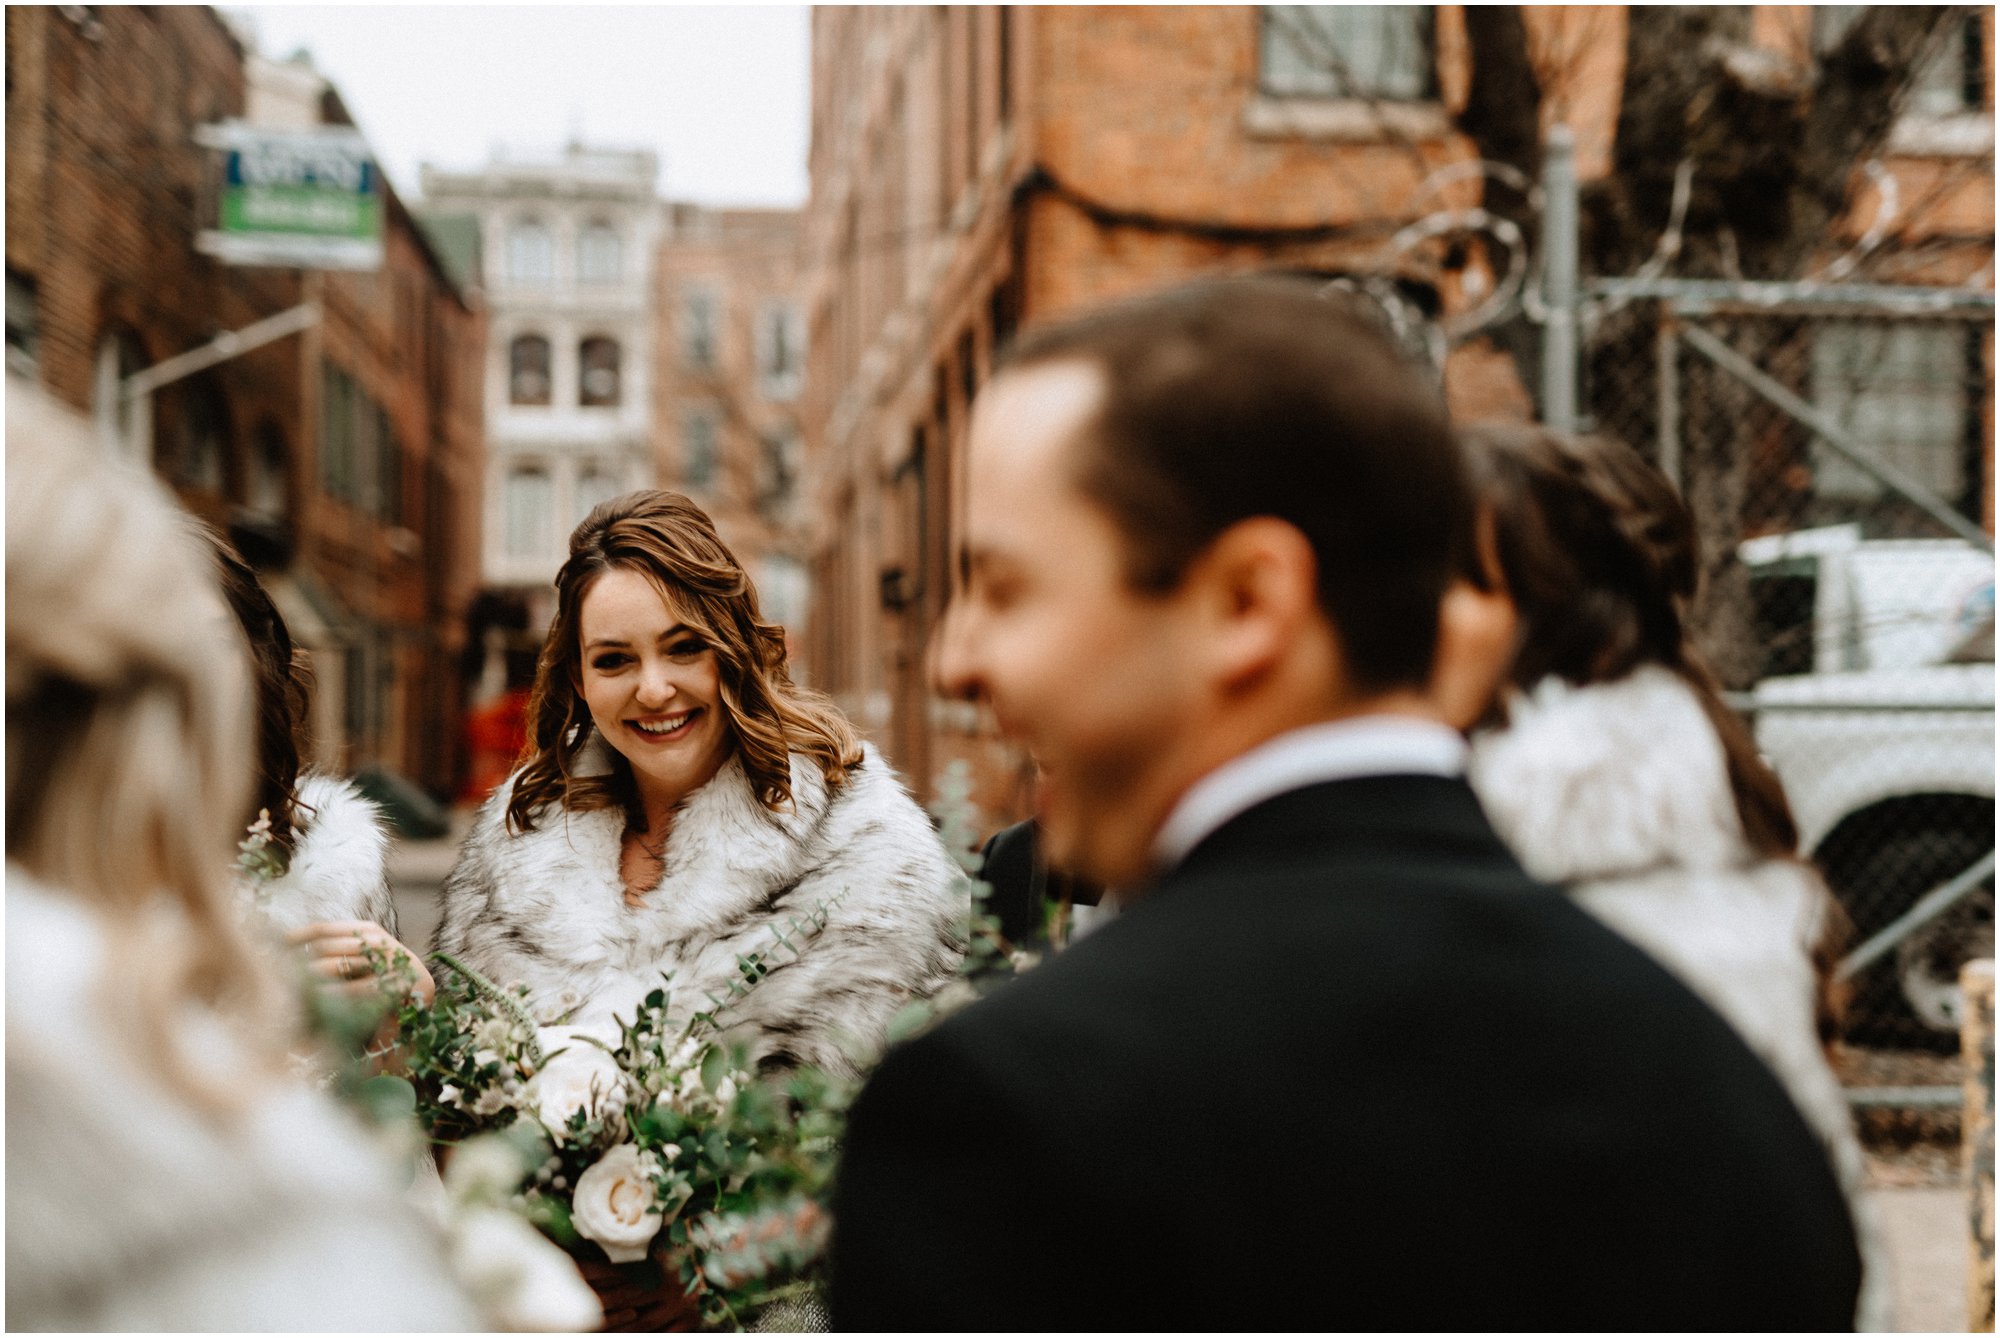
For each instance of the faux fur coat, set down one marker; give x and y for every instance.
(1620, 793)
(546, 909)
(339, 866)
(130, 1209)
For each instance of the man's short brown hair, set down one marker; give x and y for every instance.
(1232, 398)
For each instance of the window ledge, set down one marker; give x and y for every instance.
(1967, 134)
(1347, 119)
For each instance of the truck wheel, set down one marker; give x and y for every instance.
(1910, 995)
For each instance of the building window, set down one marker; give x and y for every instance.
(530, 506)
(700, 448)
(701, 317)
(118, 357)
(783, 590)
(388, 468)
(595, 485)
(531, 253)
(598, 358)
(337, 414)
(21, 323)
(780, 467)
(1946, 83)
(781, 340)
(264, 487)
(198, 442)
(1900, 389)
(528, 379)
(1346, 51)
(600, 255)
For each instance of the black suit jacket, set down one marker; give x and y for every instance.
(1347, 1067)
(1023, 886)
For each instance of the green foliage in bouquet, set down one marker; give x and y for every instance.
(655, 1143)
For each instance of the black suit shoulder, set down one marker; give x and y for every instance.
(1350, 1039)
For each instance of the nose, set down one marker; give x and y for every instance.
(656, 686)
(954, 654)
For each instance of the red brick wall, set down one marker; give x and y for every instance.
(105, 193)
(1141, 110)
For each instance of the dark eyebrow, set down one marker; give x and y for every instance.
(611, 643)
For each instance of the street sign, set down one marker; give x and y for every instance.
(299, 198)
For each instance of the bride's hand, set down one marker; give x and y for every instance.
(337, 950)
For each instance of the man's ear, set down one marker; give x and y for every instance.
(1257, 592)
(1475, 649)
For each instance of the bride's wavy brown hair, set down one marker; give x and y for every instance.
(671, 542)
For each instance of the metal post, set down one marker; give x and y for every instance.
(1559, 279)
(1667, 439)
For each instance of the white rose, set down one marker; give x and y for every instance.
(616, 1206)
(522, 1281)
(487, 1168)
(690, 1086)
(725, 1092)
(583, 1077)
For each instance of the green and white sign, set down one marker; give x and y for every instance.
(307, 199)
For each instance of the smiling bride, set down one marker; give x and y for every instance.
(681, 801)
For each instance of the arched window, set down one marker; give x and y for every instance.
(531, 253)
(528, 379)
(598, 358)
(600, 255)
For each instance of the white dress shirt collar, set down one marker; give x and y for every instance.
(1372, 745)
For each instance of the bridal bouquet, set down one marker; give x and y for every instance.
(650, 1142)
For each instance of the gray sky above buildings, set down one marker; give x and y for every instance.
(721, 93)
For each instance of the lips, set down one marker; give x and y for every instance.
(663, 729)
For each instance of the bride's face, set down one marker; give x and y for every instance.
(652, 686)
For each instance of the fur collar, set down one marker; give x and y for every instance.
(546, 908)
(339, 866)
(1609, 780)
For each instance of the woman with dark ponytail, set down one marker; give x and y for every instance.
(317, 870)
(1612, 766)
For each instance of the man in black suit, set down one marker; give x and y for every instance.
(1339, 1064)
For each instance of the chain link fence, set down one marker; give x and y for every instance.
(1836, 446)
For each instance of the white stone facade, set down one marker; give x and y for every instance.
(568, 245)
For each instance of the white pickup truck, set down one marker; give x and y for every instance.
(1883, 737)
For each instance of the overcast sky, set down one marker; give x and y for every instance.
(719, 92)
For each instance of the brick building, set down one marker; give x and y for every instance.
(730, 372)
(977, 167)
(344, 461)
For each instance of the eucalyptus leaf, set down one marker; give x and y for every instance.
(388, 1098)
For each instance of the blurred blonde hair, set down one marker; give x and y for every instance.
(129, 742)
